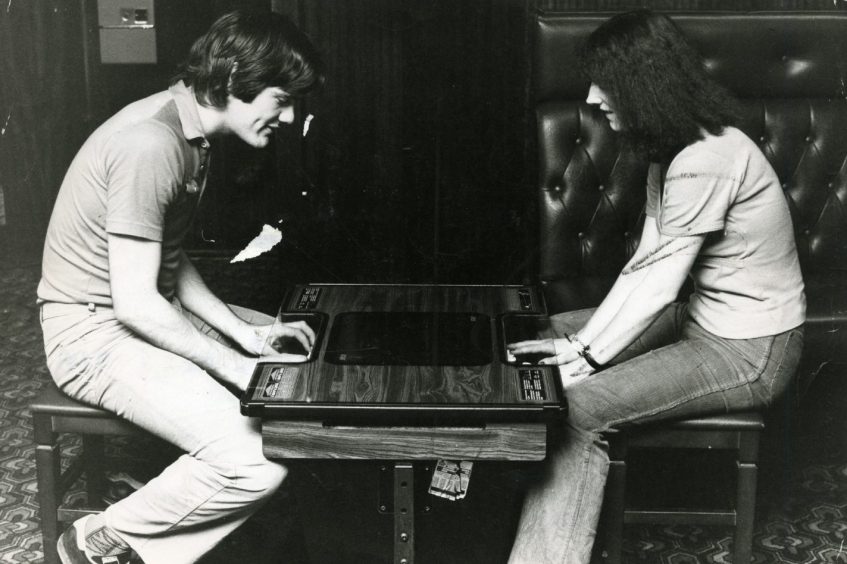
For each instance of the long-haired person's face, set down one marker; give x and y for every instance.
(254, 122)
(598, 97)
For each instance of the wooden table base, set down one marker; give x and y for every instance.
(315, 440)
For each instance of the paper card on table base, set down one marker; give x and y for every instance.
(451, 479)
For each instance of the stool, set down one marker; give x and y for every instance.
(737, 432)
(53, 412)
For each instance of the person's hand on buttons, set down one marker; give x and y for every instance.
(557, 351)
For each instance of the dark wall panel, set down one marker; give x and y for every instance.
(41, 115)
(414, 156)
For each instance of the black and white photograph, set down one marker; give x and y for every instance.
(423, 281)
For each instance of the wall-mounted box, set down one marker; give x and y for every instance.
(127, 31)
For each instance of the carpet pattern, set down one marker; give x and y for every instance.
(801, 517)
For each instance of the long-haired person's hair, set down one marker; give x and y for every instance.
(243, 53)
(657, 83)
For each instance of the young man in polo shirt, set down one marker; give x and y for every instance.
(128, 323)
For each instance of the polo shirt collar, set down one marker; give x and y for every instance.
(186, 106)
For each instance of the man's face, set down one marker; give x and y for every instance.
(598, 97)
(255, 122)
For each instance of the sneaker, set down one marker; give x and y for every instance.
(71, 547)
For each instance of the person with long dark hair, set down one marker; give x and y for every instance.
(715, 212)
(130, 326)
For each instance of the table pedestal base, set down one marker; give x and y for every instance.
(314, 440)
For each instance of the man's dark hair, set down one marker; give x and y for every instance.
(657, 82)
(243, 53)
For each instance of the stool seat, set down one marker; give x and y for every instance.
(52, 401)
(53, 412)
(743, 421)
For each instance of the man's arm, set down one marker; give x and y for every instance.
(196, 297)
(133, 272)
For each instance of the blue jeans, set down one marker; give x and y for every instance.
(676, 369)
(223, 477)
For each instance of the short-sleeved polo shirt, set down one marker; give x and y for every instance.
(140, 174)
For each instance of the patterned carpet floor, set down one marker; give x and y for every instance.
(801, 515)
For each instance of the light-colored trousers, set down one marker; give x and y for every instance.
(206, 493)
(676, 369)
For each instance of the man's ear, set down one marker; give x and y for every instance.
(231, 74)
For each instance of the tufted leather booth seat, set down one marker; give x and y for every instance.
(790, 72)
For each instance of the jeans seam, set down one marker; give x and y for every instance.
(779, 364)
(581, 496)
(759, 368)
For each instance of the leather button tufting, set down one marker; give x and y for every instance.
(807, 231)
(762, 139)
(601, 187)
(578, 140)
(808, 139)
(581, 235)
(830, 184)
(784, 58)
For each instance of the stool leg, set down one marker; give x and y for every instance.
(95, 475)
(745, 513)
(613, 520)
(745, 508)
(47, 456)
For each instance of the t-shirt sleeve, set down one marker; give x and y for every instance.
(144, 175)
(654, 179)
(698, 191)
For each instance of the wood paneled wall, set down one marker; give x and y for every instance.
(415, 165)
(415, 153)
(42, 108)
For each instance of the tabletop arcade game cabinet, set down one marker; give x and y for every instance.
(409, 354)
(409, 374)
